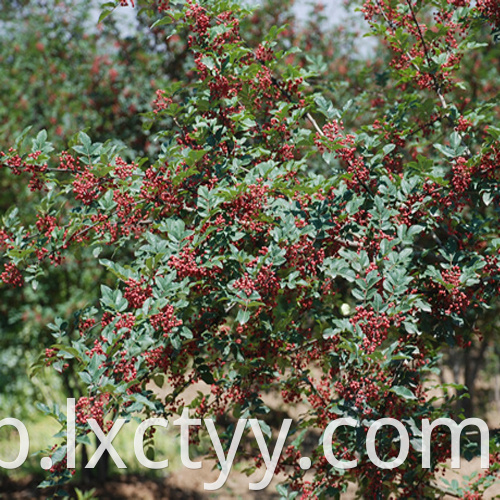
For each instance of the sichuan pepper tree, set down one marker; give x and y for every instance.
(238, 264)
(106, 77)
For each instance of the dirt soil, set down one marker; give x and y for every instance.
(188, 485)
(120, 488)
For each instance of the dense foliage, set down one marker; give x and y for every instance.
(324, 252)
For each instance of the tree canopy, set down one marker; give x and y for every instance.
(312, 224)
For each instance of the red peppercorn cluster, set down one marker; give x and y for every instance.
(165, 321)
(91, 407)
(137, 292)
(12, 275)
(161, 102)
(17, 166)
(490, 9)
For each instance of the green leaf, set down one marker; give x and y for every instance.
(487, 198)
(107, 9)
(206, 375)
(243, 316)
(446, 150)
(404, 392)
